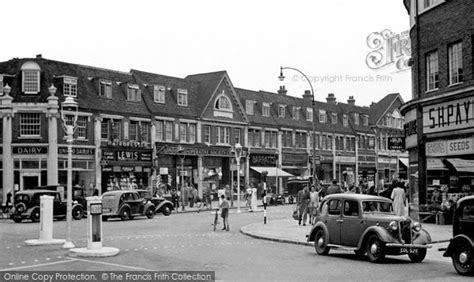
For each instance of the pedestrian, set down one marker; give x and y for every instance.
(313, 204)
(399, 201)
(334, 188)
(302, 201)
(225, 212)
(9, 199)
(248, 196)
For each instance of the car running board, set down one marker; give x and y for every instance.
(342, 247)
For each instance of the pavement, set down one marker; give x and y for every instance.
(288, 231)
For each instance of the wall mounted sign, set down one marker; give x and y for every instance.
(452, 115)
(263, 160)
(30, 150)
(77, 151)
(462, 146)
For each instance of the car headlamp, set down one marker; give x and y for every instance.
(417, 226)
(393, 225)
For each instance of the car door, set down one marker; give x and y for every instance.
(352, 224)
(334, 221)
(135, 203)
(59, 207)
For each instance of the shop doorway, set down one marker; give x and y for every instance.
(29, 180)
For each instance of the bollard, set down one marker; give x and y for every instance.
(94, 233)
(264, 196)
(46, 224)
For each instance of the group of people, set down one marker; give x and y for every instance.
(308, 199)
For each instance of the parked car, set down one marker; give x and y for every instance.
(27, 205)
(461, 246)
(161, 204)
(367, 224)
(275, 199)
(125, 204)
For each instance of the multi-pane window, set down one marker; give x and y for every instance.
(287, 138)
(116, 129)
(182, 97)
(168, 131)
(182, 132)
(296, 113)
(281, 111)
(334, 118)
(267, 139)
(366, 120)
(339, 143)
(322, 116)
(254, 137)
(133, 93)
(249, 107)
(207, 134)
(31, 80)
(455, 63)
(145, 128)
(105, 89)
(105, 129)
(30, 124)
(223, 103)
(356, 118)
(159, 94)
(265, 109)
(159, 130)
(300, 140)
(133, 130)
(237, 133)
(82, 127)
(223, 134)
(192, 133)
(345, 120)
(309, 114)
(432, 76)
(70, 86)
(274, 139)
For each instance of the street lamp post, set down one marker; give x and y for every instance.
(238, 155)
(276, 172)
(182, 156)
(69, 115)
(282, 78)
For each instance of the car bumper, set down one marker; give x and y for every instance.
(411, 246)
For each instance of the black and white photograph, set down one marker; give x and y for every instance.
(237, 140)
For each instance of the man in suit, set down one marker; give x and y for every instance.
(302, 200)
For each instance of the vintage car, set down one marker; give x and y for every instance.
(367, 224)
(161, 204)
(125, 204)
(27, 205)
(461, 246)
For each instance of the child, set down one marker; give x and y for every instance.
(225, 212)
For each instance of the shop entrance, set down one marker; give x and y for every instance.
(29, 180)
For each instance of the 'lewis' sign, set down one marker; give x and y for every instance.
(452, 115)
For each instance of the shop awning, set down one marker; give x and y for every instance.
(272, 171)
(435, 164)
(403, 161)
(462, 165)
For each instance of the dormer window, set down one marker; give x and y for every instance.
(366, 120)
(345, 120)
(182, 97)
(296, 113)
(70, 86)
(309, 114)
(281, 111)
(322, 116)
(223, 103)
(266, 109)
(133, 93)
(159, 94)
(334, 118)
(249, 106)
(30, 78)
(105, 89)
(356, 118)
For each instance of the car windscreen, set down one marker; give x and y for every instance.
(377, 206)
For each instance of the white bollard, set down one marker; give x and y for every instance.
(46, 224)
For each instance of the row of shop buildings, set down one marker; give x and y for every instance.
(140, 129)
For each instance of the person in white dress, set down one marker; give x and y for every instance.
(398, 198)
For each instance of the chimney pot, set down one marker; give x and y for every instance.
(39, 56)
(351, 101)
(282, 90)
(331, 99)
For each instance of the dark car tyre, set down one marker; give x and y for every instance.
(463, 258)
(375, 249)
(150, 213)
(17, 219)
(105, 218)
(360, 253)
(77, 213)
(320, 243)
(20, 208)
(418, 257)
(35, 215)
(166, 210)
(125, 214)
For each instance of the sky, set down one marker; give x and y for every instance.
(326, 40)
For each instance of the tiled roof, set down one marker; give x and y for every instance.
(376, 111)
(208, 82)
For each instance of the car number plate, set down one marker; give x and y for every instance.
(105, 210)
(408, 251)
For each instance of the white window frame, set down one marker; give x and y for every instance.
(31, 81)
(356, 118)
(281, 111)
(30, 125)
(432, 71)
(266, 109)
(366, 120)
(133, 93)
(70, 86)
(455, 63)
(207, 134)
(334, 118)
(223, 135)
(82, 127)
(223, 103)
(345, 120)
(322, 116)
(168, 130)
(159, 94)
(192, 133)
(106, 85)
(296, 113)
(309, 114)
(182, 97)
(249, 107)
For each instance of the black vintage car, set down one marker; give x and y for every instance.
(27, 206)
(125, 204)
(461, 246)
(161, 204)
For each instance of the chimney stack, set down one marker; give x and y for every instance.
(282, 90)
(331, 99)
(39, 56)
(351, 101)
(307, 95)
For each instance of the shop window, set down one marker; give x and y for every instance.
(30, 125)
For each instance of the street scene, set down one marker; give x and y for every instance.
(192, 141)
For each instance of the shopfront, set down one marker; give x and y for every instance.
(267, 163)
(30, 164)
(126, 168)
(83, 167)
(367, 170)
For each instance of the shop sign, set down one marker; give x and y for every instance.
(367, 159)
(345, 159)
(77, 151)
(128, 168)
(396, 143)
(28, 150)
(384, 160)
(262, 160)
(450, 147)
(199, 150)
(452, 115)
(127, 155)
(123, 155)
(107, 168)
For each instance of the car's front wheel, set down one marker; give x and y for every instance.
(166, 210)
(125, 214)
(321, 243)
(463, 258)
(150, 213)
(419, 257)
(35, 215)
(375, 249)
(77, 213)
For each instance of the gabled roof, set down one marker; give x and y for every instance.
(379, 109)
(208, 83)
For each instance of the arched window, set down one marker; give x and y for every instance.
(223, 103)
(30, 77)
